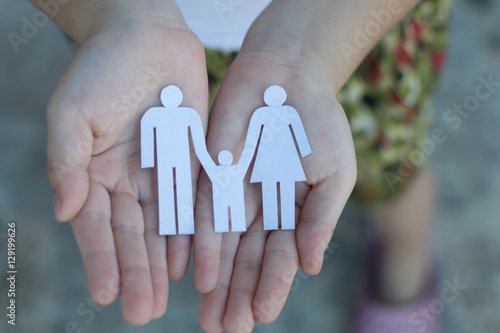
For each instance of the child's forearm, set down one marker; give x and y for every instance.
(335, 34)
(81, 18)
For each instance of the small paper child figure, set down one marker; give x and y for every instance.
(277, 163)
(172, 124)
(228, 193)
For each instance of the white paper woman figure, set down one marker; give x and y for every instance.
(228, 192)
(172, 124)
(277, 161)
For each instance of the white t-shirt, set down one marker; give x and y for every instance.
(221, 24)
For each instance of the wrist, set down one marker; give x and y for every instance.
(81, 19)
(286, 33)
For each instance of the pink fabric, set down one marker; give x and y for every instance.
(375, 316)
(378, 317)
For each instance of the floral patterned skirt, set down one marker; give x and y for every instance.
(387, 100)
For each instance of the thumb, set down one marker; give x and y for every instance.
(69, 148)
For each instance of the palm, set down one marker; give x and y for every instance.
(98, 103)
(252, 273)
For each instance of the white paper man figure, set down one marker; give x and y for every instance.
(277, 162)
(228, 193)
(172, 124)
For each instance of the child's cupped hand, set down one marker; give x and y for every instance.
(131, 52)
(247, 277)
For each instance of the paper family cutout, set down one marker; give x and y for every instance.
(277, 163)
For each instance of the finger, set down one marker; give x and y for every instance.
(318, 219)
(178, 255)
(94, 236)
(213, 304)
(278, 271)
(128, 229)
(229, 119)
(69, 148)
(246, 273)
(179, 246)
(206, 243)
(156, 249)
